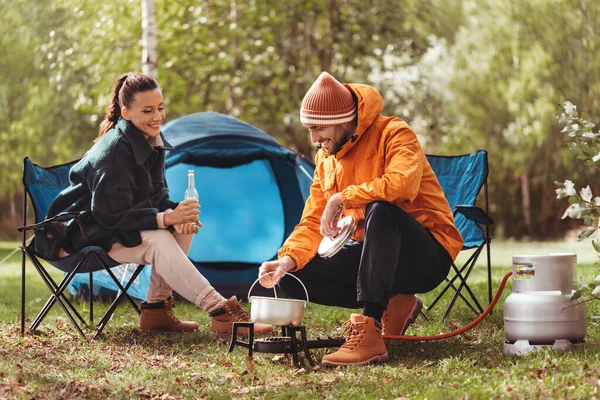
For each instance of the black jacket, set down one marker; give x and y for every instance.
(118, 186)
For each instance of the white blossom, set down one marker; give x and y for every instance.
(586, 194)
(570, 188)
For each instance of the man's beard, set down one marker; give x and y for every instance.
(347, 131)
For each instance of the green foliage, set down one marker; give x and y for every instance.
(512, 62)
(250, 59)
(466, 75)
(585, 144)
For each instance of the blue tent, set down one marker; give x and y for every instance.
(251, 190)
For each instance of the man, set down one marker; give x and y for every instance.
(373, 168)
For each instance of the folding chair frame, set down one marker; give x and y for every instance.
(464, 272)
(57, 290)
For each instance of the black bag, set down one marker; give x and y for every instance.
(51, 233)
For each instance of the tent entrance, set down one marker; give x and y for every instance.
(244, 224)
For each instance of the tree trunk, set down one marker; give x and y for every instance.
(13, 207)
(149, 52)
(526, 202)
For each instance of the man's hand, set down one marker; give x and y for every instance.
(271, 272)
(331, 216)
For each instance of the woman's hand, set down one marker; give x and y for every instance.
(186, 211)
(188, 228)
(271, 272)
(331, 216)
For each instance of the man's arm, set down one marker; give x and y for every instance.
(303, 242)
(401, 180)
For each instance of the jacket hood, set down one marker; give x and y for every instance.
(369, 104)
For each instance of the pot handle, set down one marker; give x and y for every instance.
(269, 273)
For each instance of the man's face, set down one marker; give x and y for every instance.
(331, 137)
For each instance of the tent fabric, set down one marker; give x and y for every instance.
(251, 190)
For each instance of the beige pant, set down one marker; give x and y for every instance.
(171, 268)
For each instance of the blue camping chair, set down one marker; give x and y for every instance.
(462, 178)
(42, 185)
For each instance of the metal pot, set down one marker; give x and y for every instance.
(276, 311)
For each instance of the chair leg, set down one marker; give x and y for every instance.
(461, 275)
(91, 298)
(57, 296)
(54, 288)
(489, 270)
(23, 262)
(469, 268)
(116, 281)
(106, 317)
(450, 284)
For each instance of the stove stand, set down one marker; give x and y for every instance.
(287, 343)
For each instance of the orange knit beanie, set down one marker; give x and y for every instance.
(327, 102)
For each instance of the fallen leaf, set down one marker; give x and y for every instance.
(249, 366)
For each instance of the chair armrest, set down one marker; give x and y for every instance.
(64, 216)
(474, 214)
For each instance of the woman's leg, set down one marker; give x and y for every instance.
(171, 268)
(159, 289)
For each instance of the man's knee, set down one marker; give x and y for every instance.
(381, 209)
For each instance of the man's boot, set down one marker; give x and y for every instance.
(363, 345)
(402, 310)
(159, 317)
(223, 319)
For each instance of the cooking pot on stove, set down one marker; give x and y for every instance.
(275, 310)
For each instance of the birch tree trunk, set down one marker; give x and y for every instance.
(526, 196)
(149, 53)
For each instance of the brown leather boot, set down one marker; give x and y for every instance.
(159, 317)
(363, 345)
(223, 319)
(402, 310)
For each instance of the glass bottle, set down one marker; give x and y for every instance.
(191, 192)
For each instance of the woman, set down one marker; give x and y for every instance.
(119, 188)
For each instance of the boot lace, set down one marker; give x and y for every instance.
(353, 333)
(169, 310)
(384, 322)
(238, 314)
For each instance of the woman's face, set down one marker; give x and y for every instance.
(146, 112)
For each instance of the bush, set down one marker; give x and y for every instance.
(585, 144)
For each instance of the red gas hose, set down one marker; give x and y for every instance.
(464, 328)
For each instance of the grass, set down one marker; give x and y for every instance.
(126, 363)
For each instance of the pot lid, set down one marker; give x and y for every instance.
(329, 247)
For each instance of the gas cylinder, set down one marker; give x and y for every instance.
(539, 311)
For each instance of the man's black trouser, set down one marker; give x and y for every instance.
(398, 255)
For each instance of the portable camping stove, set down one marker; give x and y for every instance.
(287, 343)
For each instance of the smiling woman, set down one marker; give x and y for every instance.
(138, 99)
(147, 112)
(119, 191)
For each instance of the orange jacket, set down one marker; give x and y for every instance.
(386, 162)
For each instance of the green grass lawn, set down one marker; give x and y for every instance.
(126, 363)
